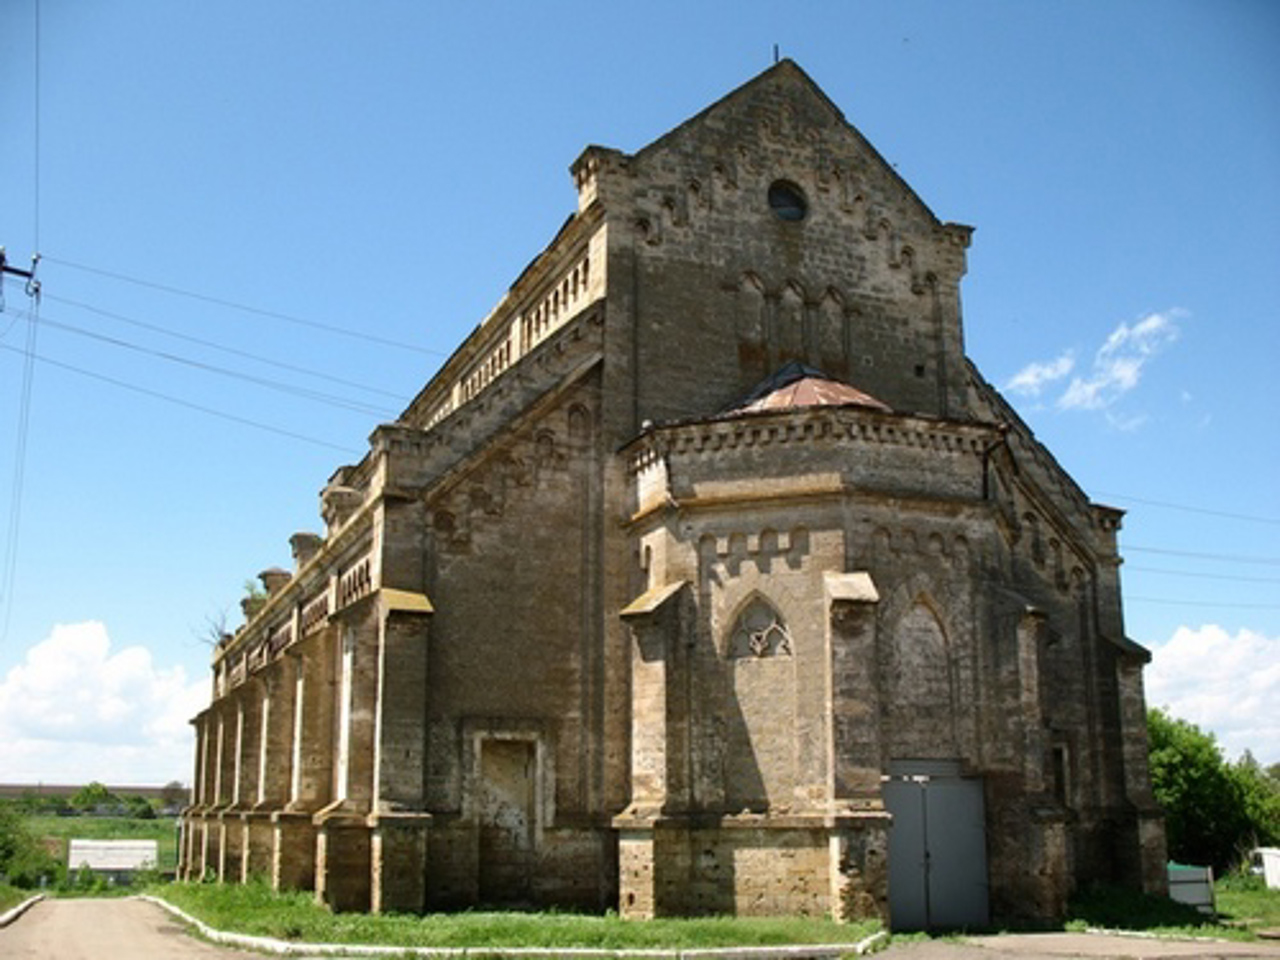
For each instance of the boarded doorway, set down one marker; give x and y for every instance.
(937, 847)
(507, 815)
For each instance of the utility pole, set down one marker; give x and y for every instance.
(33, 285)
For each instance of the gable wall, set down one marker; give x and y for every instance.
(722, 291)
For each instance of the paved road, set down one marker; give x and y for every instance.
(104, 930)
(1054, 946)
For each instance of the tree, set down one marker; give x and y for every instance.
(139, 808)
(173, 794)
(92, 796)
(23, 861)
(1215, 811)
(1261, 793)
(255, 598)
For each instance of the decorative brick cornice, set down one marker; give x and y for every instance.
(854, 426)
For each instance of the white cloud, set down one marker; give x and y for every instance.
(1225, 684)
(1031, 379)
(1119, 362)
(73, 711)
(1126, 424)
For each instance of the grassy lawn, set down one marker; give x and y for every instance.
(254, 909)
(12, 896)
(1244, 907)
(63, 829)
(1248, 904)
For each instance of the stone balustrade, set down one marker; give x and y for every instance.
(356, 581)
(521, 333)
(314, 612)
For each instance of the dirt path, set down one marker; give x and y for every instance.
(137, 930)
(104, 930)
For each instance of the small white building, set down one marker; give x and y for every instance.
(117, 860)
(1266, 861)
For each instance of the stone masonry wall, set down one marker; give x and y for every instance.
(724, 291)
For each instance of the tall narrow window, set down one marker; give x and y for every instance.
(264, 732)
(295, 779)
(344, 716)
(1061, 784)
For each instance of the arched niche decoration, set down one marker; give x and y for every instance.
(752, 318)
(758, 632)
(790, 325)
(919, 695)
(831, 326)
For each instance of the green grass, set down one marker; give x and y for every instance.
(63, 829)
(12, 896)
(1246, 902)
(1121, 908)
(253, 908)
(1244, 907)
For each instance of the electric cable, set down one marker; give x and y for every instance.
(234, 351)
(257, 424)
(1203, 603)
(1248, 518)
(245, 308)
(1219, 557)
(1202, 576)
(9, 573)
(303, 392)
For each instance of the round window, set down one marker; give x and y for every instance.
(787, 200)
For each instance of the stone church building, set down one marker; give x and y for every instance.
(708, 575)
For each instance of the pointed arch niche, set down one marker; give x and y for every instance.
(759, 727)
(758, 631)
(919, 701)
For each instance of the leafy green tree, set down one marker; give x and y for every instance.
(140, 808)
(174, 794)
(1261, 794)
(13, 834)
(23, 861)
(1215, 811)
(93, 795)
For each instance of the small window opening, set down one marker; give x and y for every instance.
(1060, 786)
(787, 200)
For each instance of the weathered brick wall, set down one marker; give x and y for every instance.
(515, 651)
(724, 291)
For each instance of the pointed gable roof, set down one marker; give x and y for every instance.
(783, 72)
(799, 385)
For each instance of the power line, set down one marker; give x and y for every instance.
(1220, 557)
(1204, 603)
(1203, 576)
(10, 571)
(35, 192)
(256, 311)
(234, 351)
(316, 395)
(186, 403)
(1186, 508)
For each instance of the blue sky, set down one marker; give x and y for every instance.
(388, 168)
